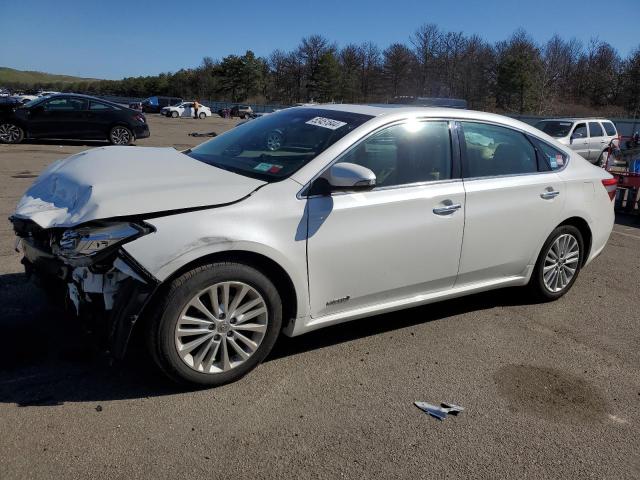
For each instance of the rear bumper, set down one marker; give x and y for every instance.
(142, 131)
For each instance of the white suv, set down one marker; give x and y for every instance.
(355, 210)
(589, 137)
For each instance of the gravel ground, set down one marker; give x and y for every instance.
(550, 390)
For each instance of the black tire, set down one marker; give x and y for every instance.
(202, 115)
(537, 284)
(601, 159)
(174, 114)
(11, 133)
(121, 135)
(161, 339)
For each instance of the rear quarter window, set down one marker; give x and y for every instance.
(550, 158)
(610, 129)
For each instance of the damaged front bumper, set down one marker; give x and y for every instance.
(109, 291)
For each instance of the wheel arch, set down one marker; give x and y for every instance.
(587, 235)
(269, 267)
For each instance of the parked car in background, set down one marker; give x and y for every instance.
(24, 98)
(589, 137)
(212, 253)
(47, 93)
(72, 116)
(185, 109)
(242, 111)
(155, 104)
(9, 102)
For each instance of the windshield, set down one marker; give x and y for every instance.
(274, 146)
(556, 129)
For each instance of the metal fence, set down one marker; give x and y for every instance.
(625, 126)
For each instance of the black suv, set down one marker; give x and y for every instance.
(72, 116)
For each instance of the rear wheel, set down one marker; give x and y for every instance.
(202, 115)
(558, 264)
(11, 133)
(216, 323)
(120, 135)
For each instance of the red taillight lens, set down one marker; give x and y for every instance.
(610, 185)
(139, 118)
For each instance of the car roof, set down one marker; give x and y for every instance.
(80, 95)
(577, 119)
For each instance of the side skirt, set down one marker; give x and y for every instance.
(310, 324)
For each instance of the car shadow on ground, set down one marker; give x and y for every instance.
(48, 359)
(628, 220)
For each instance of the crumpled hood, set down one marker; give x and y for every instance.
(121, 181)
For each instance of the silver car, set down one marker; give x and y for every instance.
(589, 137)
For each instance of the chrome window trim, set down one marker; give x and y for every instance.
(450, 121)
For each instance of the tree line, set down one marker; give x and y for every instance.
(517, 75)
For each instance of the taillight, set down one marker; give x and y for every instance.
(610, 185)
(139, 117)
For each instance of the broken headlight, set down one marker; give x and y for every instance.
(83, 242)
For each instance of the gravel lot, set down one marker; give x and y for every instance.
(550, 390)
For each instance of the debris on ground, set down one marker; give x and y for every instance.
(197, 134)
(440, 412)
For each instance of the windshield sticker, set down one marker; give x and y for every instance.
(326, 123)
(268, 167)
(559, 159)
(553, 162)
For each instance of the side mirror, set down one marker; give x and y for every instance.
(343, 177)
(349, 176)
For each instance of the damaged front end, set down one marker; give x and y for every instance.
(86, 267)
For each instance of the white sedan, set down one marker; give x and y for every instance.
(306, 218)
(185, 109)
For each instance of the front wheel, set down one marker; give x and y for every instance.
(120, 135)
(202, 115)
(558, 264)
(11, 133)
(216, 323)
(174, 114)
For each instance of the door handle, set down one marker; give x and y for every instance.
(549, 195)
(446, 210)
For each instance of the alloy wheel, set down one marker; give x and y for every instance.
(9, 133)
(221, 327)
(561, 263)
(120, 136)
(274, 141)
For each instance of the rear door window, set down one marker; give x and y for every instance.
(610, 129)
(491, 150)
(595, 130)
(97, 106)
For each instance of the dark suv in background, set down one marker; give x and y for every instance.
(72, 116)
(155, 104)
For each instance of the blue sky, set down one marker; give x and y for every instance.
(113, 38)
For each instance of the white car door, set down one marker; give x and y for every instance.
(187, 111)
(597, 141)
(579, 139)
(514, 199)
(400, 239)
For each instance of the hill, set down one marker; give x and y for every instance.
(12, 76)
